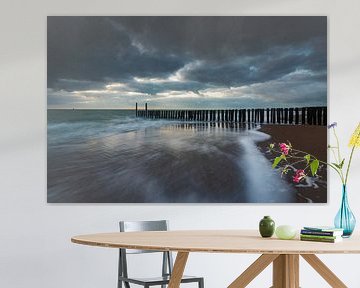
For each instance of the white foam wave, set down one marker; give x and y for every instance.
(263, 183)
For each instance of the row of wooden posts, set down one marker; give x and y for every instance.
(299, 116)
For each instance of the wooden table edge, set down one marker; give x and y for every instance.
(206, 250)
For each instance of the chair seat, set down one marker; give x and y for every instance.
(158, 280)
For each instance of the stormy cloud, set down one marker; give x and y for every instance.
(184, 62)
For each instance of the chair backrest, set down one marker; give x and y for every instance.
(135, 226)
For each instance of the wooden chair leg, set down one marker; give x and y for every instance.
(324, 271)
(253, 270)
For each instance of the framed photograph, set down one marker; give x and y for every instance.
(171, 109)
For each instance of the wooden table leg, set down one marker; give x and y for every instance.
(253, 270)
(324, 271)
(279, 269)
(178, 269)
(286, 271)
(293, 262)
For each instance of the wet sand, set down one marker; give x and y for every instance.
(312, 139)
(112, 157)
(168, 163)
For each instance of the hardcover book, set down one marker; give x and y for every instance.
(325, 240)
(323, 228)
(321, 233)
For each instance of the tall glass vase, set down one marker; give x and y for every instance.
(345, 219)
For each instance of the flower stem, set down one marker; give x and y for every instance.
(348, 166)
(337, 144)
(339, 160)
(350, 159)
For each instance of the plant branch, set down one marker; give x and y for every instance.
(348, 166)
(312, 156)
(351, 156)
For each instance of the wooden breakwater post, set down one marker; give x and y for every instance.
(291, 116)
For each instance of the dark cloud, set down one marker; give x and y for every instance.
(274, 63)
(186, 54)
(221, 37)
(73, 84)
(92, 49)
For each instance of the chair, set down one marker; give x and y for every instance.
(167, 262)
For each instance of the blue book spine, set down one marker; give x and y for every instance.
(319, 233)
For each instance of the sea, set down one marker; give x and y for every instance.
(111, 156)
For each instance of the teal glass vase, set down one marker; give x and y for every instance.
(345, 219)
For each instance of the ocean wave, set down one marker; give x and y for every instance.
(67, 131)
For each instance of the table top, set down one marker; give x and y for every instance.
(216, 241)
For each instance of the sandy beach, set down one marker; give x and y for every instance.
(312, 139)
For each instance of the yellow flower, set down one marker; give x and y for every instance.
(355, 138)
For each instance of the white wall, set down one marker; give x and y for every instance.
(35, 248)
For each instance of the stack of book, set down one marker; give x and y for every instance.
(321, 234)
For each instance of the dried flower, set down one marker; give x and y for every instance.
(355, 138)
(332, 125)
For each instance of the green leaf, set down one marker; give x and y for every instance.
(272, 145)
(314, 166)
(342, 163)
(276, 162)
(339, 166)
(307, 157)
(336, 165)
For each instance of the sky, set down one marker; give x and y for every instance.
(186, 62)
